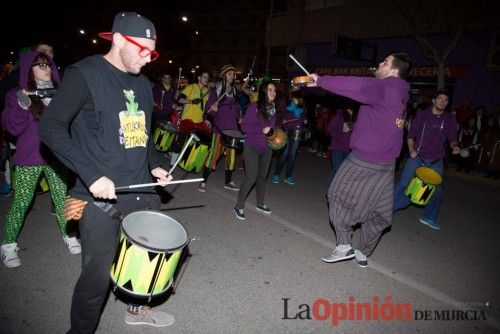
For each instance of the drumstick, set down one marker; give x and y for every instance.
(159, 184)
(466, 148)
(290, 120)
(213, 105)
(299, 64)
(183, 150)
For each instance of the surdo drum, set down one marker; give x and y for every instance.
(149, 249)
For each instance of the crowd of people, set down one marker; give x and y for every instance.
(96, 133)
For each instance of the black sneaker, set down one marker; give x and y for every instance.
(239, 213)
(263, 208)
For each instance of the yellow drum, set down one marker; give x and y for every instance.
(164, 135)
(148, 252)
(423, 185)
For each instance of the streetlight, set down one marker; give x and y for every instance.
(184, 18)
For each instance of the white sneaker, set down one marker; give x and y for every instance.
(9, 255)
(72, 244)
(147, 316)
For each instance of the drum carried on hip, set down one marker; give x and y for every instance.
(193, 160)
(233, 138)
(149, 249)
(299, 133)
(423, 185)
(164, 135)
(276, 139)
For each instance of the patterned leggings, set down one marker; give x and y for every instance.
(26, 180)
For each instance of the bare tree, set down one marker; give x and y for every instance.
(451, 16)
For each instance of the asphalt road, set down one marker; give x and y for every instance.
(265, 275)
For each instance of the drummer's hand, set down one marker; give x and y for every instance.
(266, 129)
(305, 121)
(103, 188)
(455, 150)
(413, 154)
(161, 174)
(315, 77)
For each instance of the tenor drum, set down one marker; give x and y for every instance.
(423, 185)
(196, 154)
(299, 133)
(149, 249)
(233, 138)
(164, 135)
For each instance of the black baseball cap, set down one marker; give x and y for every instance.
(131, 24)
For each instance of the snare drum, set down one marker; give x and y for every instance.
(164, 135)
(302, 81)
(300, 133)
(149, 249)
(196, 154)
(233, 138)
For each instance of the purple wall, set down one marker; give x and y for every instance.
(479, 84)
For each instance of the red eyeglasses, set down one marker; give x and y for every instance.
(144, 51)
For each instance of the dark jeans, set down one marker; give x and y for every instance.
(256, 168)
(337, 158)
(287, 155)
(99, 238)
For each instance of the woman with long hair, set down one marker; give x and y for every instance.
(259, 121)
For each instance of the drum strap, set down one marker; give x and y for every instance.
(109, 209)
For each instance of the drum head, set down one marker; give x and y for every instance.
(154, 230)
(233, 133)
(204, 137)
(171, 127)
(429, 175)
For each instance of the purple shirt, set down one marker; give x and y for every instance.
(164, 98)
(339, 139)
(228, 111)
(436, 129)
(378, 133)
(252, 126)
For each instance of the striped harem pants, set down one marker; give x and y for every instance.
(361, 193)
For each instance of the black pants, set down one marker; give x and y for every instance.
(99, 238)
(256, 169)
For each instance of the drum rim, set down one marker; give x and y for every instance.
(148, 247)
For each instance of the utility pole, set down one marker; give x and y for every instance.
(269, 36)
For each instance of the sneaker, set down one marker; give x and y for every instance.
(202, 187)
(72, 244)
(149, 317)
(9, 255)
(432, 223)
(263, 208)
(6, 189)
(239, 213)
(338, 255)
(231, 186)
(290, 180)
(276, 179)
(360, 259)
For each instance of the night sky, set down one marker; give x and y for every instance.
(40, 22)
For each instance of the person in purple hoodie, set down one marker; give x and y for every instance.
(164, 95)
(428, 133)
(223, 108)
(23, 108)
(340, 130)
(258, 122)
(361, 191)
